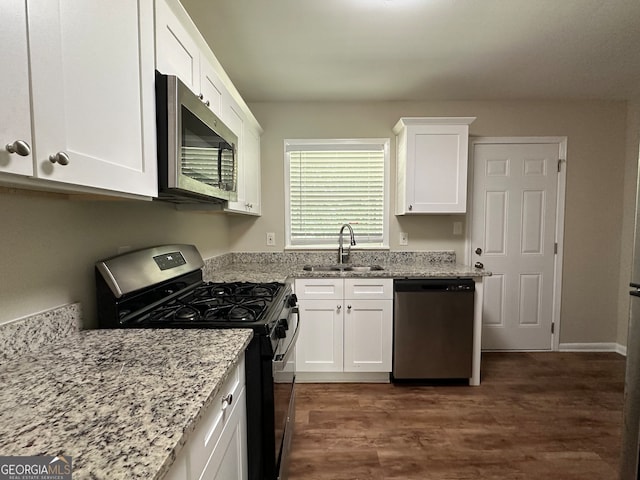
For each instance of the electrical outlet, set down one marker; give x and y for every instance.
(457, 228)
(271, 239)
(404, 238)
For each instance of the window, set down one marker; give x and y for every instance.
(333, 182)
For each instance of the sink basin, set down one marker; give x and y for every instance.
(324, 268)
(363, 268)
(342, 268)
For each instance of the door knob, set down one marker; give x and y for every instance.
(479, 265)
(20, 147)
(60, 157)
(478, 251)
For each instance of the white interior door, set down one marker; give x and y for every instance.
(513, 233)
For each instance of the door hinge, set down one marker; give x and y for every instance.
(555, 248)
(553, 327)
(559, 164)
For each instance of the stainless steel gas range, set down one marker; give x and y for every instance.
(163, 287)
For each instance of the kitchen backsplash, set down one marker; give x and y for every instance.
(31, 333)
(357, 256)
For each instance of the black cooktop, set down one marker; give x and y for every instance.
(215, 304)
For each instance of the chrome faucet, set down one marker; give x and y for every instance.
(342, 257)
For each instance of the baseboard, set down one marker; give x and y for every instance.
(593, 347)
(342, 377)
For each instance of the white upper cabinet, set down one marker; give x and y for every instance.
(248, 201)
(92, 95)
(182, 51)
(177, 51)
(211, 88)
(15, 114)
(251, 187)
(432, 157)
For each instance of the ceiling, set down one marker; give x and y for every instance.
(394, 50)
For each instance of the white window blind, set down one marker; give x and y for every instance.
(331, 184)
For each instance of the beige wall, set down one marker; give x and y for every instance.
(596, 134)
(628, 219)
(49, 245)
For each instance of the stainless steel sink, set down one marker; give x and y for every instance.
(363, 268)
(342, 268)
(324, 268)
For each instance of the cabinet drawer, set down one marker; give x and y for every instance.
(210, 426)
(368, 288)
(319, 289)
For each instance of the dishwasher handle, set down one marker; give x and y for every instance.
(453, 285)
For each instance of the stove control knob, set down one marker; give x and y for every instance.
(281, 332)
(292, 300)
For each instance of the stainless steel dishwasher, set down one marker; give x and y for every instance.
(433, 328)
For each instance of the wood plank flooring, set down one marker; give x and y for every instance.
(535, 416)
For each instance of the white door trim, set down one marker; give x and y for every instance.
(560, 207)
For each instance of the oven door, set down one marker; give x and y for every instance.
(284, 376)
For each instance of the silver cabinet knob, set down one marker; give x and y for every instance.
(201, 96)
(410, 207)
(479, 265)
(227, 400)
(60, 157)
(20, 147)
(478, 251)
(207, 103)
(339, 307)
(349, 307)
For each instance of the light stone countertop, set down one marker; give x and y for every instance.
(277, 267)
(122, 403)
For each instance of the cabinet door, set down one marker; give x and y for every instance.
(368, 335)
(252, 177)
(229, 458)
(93, 93)
(319, 345)
(248, 175)
(432, 164)
(15, 114)
(211, 87)
(204, 439)
(437, 167)
(177, 52)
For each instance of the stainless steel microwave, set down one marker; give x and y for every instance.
(197, 152)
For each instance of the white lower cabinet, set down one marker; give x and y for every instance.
(217, 448)
(346, 325)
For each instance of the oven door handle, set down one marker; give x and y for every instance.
(281, 360)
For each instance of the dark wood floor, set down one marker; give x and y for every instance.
(536, 416)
